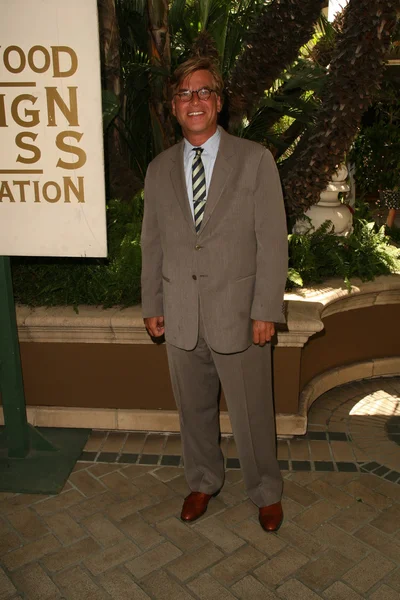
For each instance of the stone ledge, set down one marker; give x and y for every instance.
(89, 324)
(137, 419)
(95, 325)
(332, 295)
(305, 310)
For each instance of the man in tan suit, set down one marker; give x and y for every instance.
(214, 248)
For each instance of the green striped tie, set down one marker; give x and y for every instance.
(199, 188)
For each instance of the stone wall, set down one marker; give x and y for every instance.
(98, 368)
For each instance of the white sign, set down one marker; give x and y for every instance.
(52, 196)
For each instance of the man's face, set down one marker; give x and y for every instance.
(198, 118)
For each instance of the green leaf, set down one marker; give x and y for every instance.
(295, 277)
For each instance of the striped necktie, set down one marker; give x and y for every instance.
(199, 188)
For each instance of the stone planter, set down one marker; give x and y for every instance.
(329, 208)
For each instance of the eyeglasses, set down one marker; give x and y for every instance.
(203, 94)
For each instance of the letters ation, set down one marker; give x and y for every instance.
(50, 191)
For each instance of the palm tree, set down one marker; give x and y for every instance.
(121, 178)
(283, 87)
(160, 59)
(354, 77)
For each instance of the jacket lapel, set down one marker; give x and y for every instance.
(221, 173)
(179, 183)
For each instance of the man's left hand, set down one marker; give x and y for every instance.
(262, 332)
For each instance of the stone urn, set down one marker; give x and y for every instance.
(329, 208)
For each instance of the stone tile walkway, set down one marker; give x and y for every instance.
(114, 531)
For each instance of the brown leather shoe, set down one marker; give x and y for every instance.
(195, 505)
(271, 517)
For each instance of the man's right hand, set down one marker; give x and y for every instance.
(154, 325)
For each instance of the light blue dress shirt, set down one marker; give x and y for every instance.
(208, 156)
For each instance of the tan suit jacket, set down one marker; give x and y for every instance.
(235, 267)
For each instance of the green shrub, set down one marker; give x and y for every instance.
(107, 282)
(320, 254)
(316, 256)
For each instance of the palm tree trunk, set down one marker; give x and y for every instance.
(109, 44)
(122, 182)
(160, 57)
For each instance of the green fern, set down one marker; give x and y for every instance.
(320, 254)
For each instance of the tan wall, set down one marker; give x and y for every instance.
(350, 337)
(286, 363)
(96, 375)
(123, 376)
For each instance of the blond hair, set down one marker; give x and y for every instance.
(191, 65)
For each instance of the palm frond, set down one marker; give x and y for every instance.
(177, 11)
(217, 25)
(272, 43)
(241, 16)
(204, 13)
(304, 75)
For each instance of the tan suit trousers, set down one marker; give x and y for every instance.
(246, 380)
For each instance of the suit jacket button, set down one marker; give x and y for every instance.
(194, 277)
(197, 247)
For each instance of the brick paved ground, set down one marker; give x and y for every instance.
(114, 532)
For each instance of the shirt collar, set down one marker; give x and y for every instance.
(210, 147)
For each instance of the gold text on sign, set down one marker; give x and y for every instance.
(62, 60)
(37, 192)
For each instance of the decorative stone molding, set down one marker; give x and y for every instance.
(332, 296)
(302, 322)
(137, 420)
(88, 324)
(95, 325)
